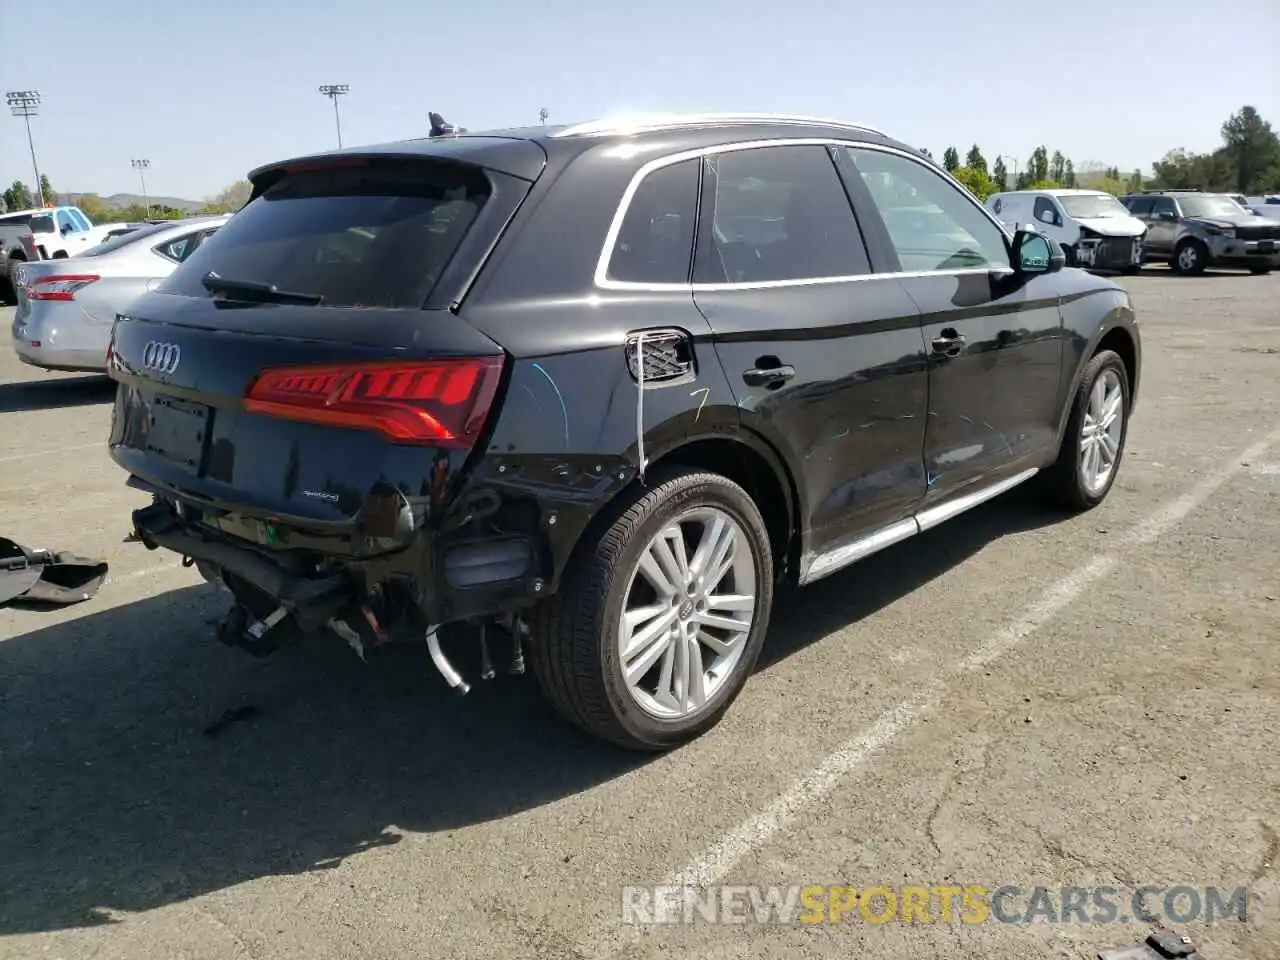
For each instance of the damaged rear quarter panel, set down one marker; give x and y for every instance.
(566, 442)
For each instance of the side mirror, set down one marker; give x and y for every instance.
(66, 228)
(1035, 253)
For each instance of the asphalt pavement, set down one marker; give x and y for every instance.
(1013, 700)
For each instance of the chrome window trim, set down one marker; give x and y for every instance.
(601, 278)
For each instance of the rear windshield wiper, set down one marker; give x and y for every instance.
(255, 292)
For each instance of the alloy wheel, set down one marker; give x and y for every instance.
(687, 613)
(1101, 432)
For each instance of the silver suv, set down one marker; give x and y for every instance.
(1191, 230)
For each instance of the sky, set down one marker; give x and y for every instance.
(208, 90)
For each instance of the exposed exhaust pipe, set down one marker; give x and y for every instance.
(451, 676)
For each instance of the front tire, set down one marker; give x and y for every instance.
(1190, 258)
(660, 619)
(1260, 271)
(1093, 444)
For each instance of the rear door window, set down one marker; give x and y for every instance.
(43, 223)
(780, 213)
(374, 235)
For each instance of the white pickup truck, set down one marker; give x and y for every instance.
(51, 233)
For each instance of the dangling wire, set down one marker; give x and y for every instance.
(640, 404)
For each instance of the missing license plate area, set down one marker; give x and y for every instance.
(177, 431)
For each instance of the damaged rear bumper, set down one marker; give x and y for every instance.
(311, 600)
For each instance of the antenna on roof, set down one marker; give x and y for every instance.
(442, 128)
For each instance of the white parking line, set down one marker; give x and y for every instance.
(101, 444)
(715, 862)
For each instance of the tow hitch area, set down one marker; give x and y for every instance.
(258, 637)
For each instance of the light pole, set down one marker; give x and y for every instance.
(141, 167)
(26, 104)
(1005, 156)
(542, 116)
(333, 91)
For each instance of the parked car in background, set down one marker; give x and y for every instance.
(1192, 230)
(17, 245)
(123, 229)
(66, 307)
(1094, 228)
(531, 386)
(1265, 206)
(55, 233)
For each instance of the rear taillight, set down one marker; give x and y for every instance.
(59, 288)
(438, 402)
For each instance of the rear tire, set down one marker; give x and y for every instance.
(7, 283)
(1190, 258)
(1077, 480)
(577, 652)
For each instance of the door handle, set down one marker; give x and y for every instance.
(948, 344)
(768, 376)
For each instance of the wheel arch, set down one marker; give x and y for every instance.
(751, 462)
(1117, 331)
(742, 456)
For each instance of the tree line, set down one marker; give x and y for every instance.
(1248, 162)
(18, 196)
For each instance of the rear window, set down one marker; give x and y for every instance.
(15, 220)
(43, 224)
(125, 238)
(377, 235)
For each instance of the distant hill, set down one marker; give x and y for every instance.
(129, 199)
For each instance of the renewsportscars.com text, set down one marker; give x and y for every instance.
(969, 904)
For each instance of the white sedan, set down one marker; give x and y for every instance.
(66, 307)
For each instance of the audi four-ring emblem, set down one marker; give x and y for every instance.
(161, 357)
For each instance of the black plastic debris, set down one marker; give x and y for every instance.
(1161, 945)
(45, 576)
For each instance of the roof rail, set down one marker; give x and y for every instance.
(1176, 190)
(646, 122)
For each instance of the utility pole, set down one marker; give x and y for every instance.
(333, 91)
(1005, 156)
(141, 167)
(26, 104)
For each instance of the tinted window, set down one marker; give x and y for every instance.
(1164, 205)
(780, 213)
(42, 223)
(932, 224)
(655, 244)
(15, 220)
(377, 235)
(1140, 206)
(179, 248)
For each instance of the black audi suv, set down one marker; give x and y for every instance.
(594, 394)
